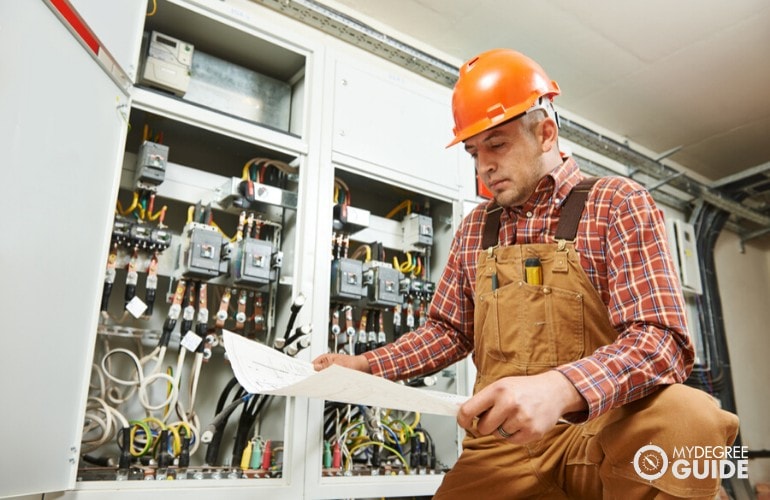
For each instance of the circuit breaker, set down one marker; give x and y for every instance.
(346, 280)
(382, 284)
(253, 263)
(418, 232)
(201, 252)
(151, 164)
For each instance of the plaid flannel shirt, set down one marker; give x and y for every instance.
(623, 248)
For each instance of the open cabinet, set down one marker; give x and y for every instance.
(207, 188)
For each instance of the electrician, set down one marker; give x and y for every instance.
(577, 375)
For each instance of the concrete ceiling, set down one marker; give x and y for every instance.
(689, 74)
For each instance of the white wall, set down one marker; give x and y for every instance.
(744, 287)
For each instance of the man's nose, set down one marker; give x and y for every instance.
(484, 163)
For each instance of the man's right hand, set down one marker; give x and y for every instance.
(353, 362)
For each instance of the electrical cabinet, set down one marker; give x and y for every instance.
(220, 206)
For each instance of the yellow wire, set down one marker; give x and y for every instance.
(154, 8)
(339, 182)
(405, 267)
(133, 205)
(176, 446)
(148, 436)
(382, 445)
(156, 215)
(245, 172)
(214, 225)
(153, 420)
(416, 420)
(407, 204)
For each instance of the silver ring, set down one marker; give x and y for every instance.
(503, 433)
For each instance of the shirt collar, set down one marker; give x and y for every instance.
(552, 189)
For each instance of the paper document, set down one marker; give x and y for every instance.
(262, 370)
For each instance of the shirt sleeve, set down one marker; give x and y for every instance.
(645, 306)
(447, 335)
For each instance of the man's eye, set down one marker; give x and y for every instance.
(496, 145)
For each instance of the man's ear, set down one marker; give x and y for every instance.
(548, 134)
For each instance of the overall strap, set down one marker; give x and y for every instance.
(573, 209)
(568, 222)
(491, 230)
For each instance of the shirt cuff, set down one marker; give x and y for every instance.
(594, 384)
(376, 363)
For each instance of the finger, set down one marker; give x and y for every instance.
(474, 408)
(321, 362)
(503, 434)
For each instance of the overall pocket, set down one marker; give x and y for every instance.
(536, 327)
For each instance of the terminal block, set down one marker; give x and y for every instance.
(134, 234)
(241, 193)
(346, 282)
(382, 283)
(201, 252)
(415, 287)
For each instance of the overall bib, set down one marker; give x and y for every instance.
(525, 329)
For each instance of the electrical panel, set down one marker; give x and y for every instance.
(203, 240)
(381, 285)
(686, 255)
(214, 230)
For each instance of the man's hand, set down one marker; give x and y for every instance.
(353, 362)
(525, 408)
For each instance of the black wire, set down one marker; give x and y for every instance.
(223, 396)
(242, 431)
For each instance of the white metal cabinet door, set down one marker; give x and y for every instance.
(61, 135)
(118, 24)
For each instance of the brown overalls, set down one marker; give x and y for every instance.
(524, 329)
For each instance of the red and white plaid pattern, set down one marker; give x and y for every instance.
(622, 245)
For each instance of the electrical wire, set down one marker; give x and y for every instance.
(404, 205)
(340, 184)
(263, 164)
(363, 250)
(381, 445)
(141, 381)
(131, 208)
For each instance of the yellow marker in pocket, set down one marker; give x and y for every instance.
(533, 271)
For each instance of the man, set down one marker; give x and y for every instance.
(564, 290)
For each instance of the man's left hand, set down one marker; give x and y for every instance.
(521, 409)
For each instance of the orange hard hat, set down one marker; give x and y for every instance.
(496, 86)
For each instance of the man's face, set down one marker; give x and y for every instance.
(509, 161)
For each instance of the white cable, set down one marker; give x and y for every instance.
(142, 382)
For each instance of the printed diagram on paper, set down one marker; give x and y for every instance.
(262, 370)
